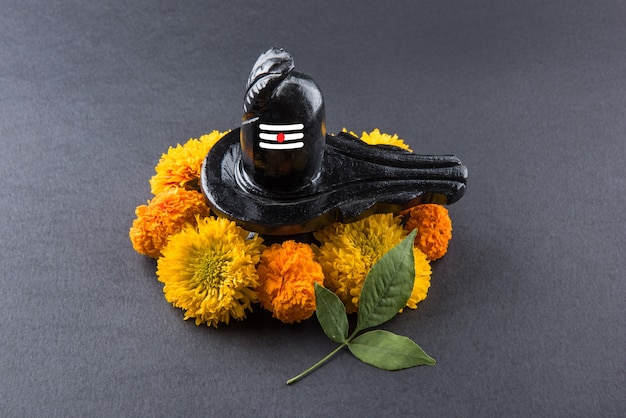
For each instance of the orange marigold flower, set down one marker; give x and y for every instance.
(165, 215)
(434, 228)
(181, 165)
(287, 273)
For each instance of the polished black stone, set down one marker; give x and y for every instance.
(281, 174)
(356, 180)
(284, 128)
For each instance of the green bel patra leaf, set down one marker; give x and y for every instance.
(388, 285)
(331, 314)
(388, 351)
(385, 291)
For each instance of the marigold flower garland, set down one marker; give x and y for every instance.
(215, 271)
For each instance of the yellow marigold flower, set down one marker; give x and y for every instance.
(287, 274)
(164, 215)
(422, 279)
(434, 228)
(377, 138)
(348, 251)
(181, 165)
(208, 270)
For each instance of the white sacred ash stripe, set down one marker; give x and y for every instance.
(274, 137)
(284, 145)
(281, 128)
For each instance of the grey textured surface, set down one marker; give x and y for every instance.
(526, 313)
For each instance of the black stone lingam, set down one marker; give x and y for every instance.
(284, 130)
(281, 174)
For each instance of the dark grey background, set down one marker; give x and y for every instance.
(526, 313)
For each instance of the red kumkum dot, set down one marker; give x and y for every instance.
(280, 138)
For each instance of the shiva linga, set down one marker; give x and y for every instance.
(280, 173)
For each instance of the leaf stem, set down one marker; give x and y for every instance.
(318, 364)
